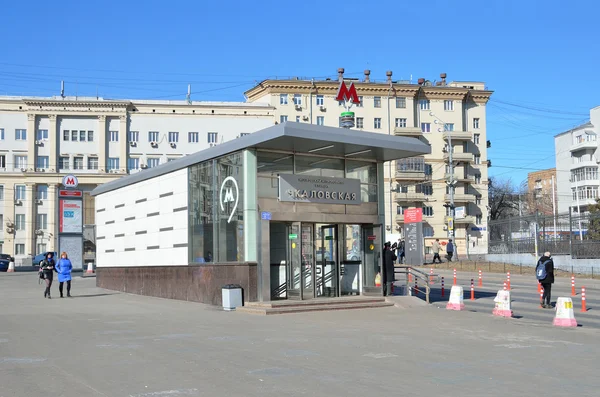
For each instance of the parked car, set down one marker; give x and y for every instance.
(4, 265)
(37, 260)
(7, 257)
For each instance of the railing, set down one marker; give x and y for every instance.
(418, 275)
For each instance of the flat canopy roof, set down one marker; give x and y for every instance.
(293, 137)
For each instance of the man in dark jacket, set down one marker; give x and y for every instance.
(388, 268)
(548, 281)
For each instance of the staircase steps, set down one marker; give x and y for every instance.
(313, 305)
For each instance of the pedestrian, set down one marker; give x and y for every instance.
(436, 250)
(450, 250)
(388, 268)
(401, 251)
(545, 274)
(63, 268)
(47, 269)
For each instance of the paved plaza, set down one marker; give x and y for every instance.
(105, 343)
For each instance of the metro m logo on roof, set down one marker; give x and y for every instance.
(70, 181)
(347, 94)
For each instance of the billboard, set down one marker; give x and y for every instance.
(71, 216)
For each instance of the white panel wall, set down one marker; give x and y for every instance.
(158, 236)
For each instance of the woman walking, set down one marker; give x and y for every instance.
(64, 267)
(48, 266)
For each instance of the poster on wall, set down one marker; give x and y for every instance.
(71, 216)
(73, 246)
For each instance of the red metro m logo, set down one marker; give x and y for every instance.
(347, 94)
(70, 181)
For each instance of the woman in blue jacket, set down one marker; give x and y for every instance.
(63, 268)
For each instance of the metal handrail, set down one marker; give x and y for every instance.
(418, 274)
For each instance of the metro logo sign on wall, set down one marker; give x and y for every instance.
(70, 181)
(347, 94)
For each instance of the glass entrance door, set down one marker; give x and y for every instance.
(372, 247)
(308, 261)
(327, 259)
(294, 262)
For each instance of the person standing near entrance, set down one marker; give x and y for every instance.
(400, 251)
(450, 250)
(436, 250)
(544, 272)
(63, 268)
(47, 270)
(388, 268)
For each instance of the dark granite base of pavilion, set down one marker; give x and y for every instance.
(197, 283)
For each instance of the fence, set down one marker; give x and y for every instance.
(566, 234)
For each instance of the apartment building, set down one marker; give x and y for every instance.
(577, 159)
(541, 188)
(98, 140)
(449, 116)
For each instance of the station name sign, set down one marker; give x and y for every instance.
(319, 189)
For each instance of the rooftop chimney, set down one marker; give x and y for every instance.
(389, 76)
(341, 74)
(367, 74)
(443, 76)
(421, 81)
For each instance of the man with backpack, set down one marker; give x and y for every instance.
(544, 272)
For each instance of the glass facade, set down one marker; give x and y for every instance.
(216, 220)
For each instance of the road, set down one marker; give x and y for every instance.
(104, 343)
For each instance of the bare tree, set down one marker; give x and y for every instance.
(503, 199)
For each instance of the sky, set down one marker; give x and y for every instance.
(539, 57)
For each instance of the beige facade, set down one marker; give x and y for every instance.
(424, 111)
(541, 186)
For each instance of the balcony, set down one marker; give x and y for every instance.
(411, 176)
(465, 221)
(410, 197)
(399, 218)
(464, 157)
(408, 131)
(460, 198)
(584, 145)
(458, 135)
(462, 178)
(591, 162)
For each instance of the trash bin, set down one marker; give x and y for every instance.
(232, 296)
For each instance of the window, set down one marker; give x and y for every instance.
(20, 222)
(77, 163)
(320, 120)
(63, 163)
(360, 122)
(20, 162)
(113, 163)
(282, 119)
(152, 162)
(134, 136)
(400, 123)
(477, 159)
(92, 163)
(476, 123)
(173, 137)
(153, 136)
(283, 99)
(426, 127)
(41, 221)
(297, 99)
(297, 119)
(449, 127)
(114, 136)
(377, 101)
(19, 249)
(82, 136)
(66, 135)
(20, 135)
(74, 135)
(478, 219)
(42, 162)
(42, 192)
(212, 137)
(448, 105)
(400, 210)
(427, 211)
(1, 134)
(361, 102)
(424, 104)
(425, 188)
(476, 138)
(478, 179)
(42, 135)
(478, 200)
(400, 102)
(133, 163)
(20, 192)
(193, 137)
(41, 247)
(377, 123)
(320, 100)
(427, 231)
(2, 161)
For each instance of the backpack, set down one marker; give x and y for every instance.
(540, 270)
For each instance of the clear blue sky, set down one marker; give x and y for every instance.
(540, 57)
